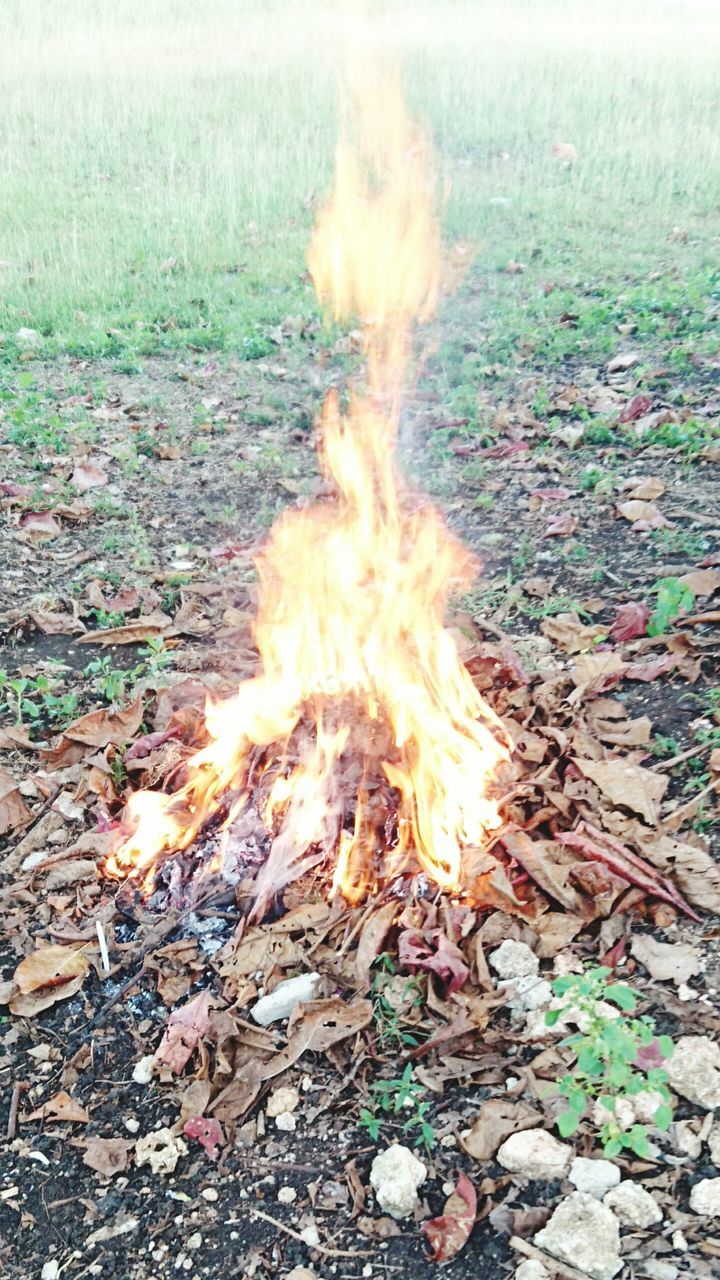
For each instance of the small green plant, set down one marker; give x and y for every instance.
(390, 1098)
(32, 701)
(392, 997)
(113, 684)
(673, 599)
(616, 1057)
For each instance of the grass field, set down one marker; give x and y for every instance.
(159, 160)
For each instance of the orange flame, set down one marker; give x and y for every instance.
(353, 592)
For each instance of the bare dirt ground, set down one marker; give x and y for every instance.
(132, 502)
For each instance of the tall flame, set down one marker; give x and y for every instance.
(353, 591)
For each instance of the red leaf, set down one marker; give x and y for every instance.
(449, 1233)
(433, 952)
(630, 621)
(40, 524)
(652, 669)
(635, 408)
(184, 1030)
(207, 1132)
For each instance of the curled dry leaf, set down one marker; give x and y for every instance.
(620, 363)
(648, 489)
(596, 672)
(185, 1029)
(643, 515)
(630, 785)
(635, 408)
(316, 1027)
(40, 525)
(87, 475)
(61, 1107)
(448, 1234)
(14, 812)
(371, 939)
(433, 951)
(107, 1156)
(666, 961)
(145, 628)
(495, 1121)
(561, 526)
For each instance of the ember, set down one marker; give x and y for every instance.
(364, 740)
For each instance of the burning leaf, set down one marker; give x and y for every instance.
(495, 1121)
(667, 962)
(207, 1132)
(88, 476)
(448, 1234)
(630, 622)
(61, 1107)
(14, 812)
(185, 1029)
(433, 951)
(630, 785)
(108, 1156)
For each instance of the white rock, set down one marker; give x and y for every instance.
(395, 1176)
(286, 1122)
(300, 1273)
(645, 1104)
(679, 1243)
(530, 992)
(623, 1115)
(705, 1198)
(286, 1098)
(713, 1144)
(194, 1241)
(285, 997)
(161, 1149)
(131, 1124)
(514, 960)
(593, 1176)
(209, 1194)
(658, 1269)
(51, 1270)
(632, 1205)
(694, 1071)
(531, 1270)
(28, 338)
(535, 1153)
(585, 1234)
(287, 1195)
(144, 1070)
(688, 1140)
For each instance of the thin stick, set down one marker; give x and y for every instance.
(103, 947)
(692, 803)
(13, 1112)
(320, 1248)
(684, 755)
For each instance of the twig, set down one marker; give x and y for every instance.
(561, 1269)
(692, 804)
(324, 1249)
(684, 755)
(13, 1112)
(103, 947)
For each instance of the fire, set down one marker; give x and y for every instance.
(361, 693)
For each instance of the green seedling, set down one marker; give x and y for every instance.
(389, 1098)
(674, 598)
(392, 998)
(616, 1057)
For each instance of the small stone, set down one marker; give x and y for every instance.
(645, 1105)
(705, 1198)
(284, 998)
(688, 1140)
(144, 1070)
(300, 1273)
(210, 1194)
(283, 1099)
(51, 1270)
(131, 1124)
(311, 1236)
(535, 1153)
(595, 1177)
(658, 1269)
(585, 1234)
(694, 1071)
(287, 1195)
(161, 1149)
(28, 338)
(531, 1270)
(194, 1241)
(714, 1145)
(286, 1122)
(679, 1243)
(514, 960)
(632, 1205)
(623, 1115)
(395, 1176)
(527, 993)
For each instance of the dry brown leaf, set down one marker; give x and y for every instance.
(495, 1121)
(87, 475)
(702, 582)
(317, 1026)
(50, 966)
(596, 672)
(55, 624)
(107, 1156)
(371, 938)
(145, 628)
(448, 1234)
(630, 785)
(571, 635)
(185, 1029)
(666, 961)
(648, 489)
(643, 515)
(39, 525)
(14, 812)
(96, 730)
(695, 870)
(61, 1107)
(620, 363)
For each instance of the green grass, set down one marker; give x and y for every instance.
(159, 160)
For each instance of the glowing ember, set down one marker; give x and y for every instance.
(367, 734)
